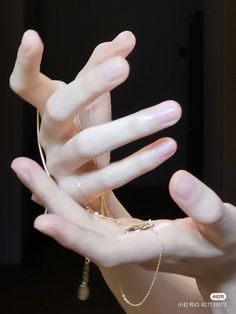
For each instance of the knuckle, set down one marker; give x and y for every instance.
(82, 145)
(53, 113)
(53, 109)
(105, 180)
(140, 126)
(16, 85)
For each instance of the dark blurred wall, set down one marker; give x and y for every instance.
(220, 97)
(11, 136)
(229, 101)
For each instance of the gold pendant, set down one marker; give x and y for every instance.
(144, 225)
(83, 292)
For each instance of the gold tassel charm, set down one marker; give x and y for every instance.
(83, 289)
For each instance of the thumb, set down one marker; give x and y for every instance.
(195, 198)
(203, 205)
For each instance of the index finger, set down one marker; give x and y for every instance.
(55, 199)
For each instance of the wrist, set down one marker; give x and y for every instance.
(221, 296)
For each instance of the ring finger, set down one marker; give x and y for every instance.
(116, 174)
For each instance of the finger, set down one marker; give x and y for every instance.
(97, 113)
(68, 234)
(93, 142)
(111, 245)
(100, 113)
(47, 193)
(96, 183)
(204, 206)
(104, 249)
(63, 106)
(121, 46)
(81, 231)
(26, 79)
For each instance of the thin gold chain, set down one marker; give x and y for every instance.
(136, 227)
(39, 145)
(40, 149)
(137, 304)
(143, 225)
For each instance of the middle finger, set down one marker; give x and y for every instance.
(95, 141)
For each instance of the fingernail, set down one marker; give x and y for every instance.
(166, 112)
(166, 148)
(185, 186)
(41, 223)
(26, 42)
(23, 175)
(113, 68)
(118, 37)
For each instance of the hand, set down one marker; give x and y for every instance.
(78, 153)
(202, 246)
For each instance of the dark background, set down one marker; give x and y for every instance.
(184, 52)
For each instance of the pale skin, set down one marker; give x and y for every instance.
(201, 246)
